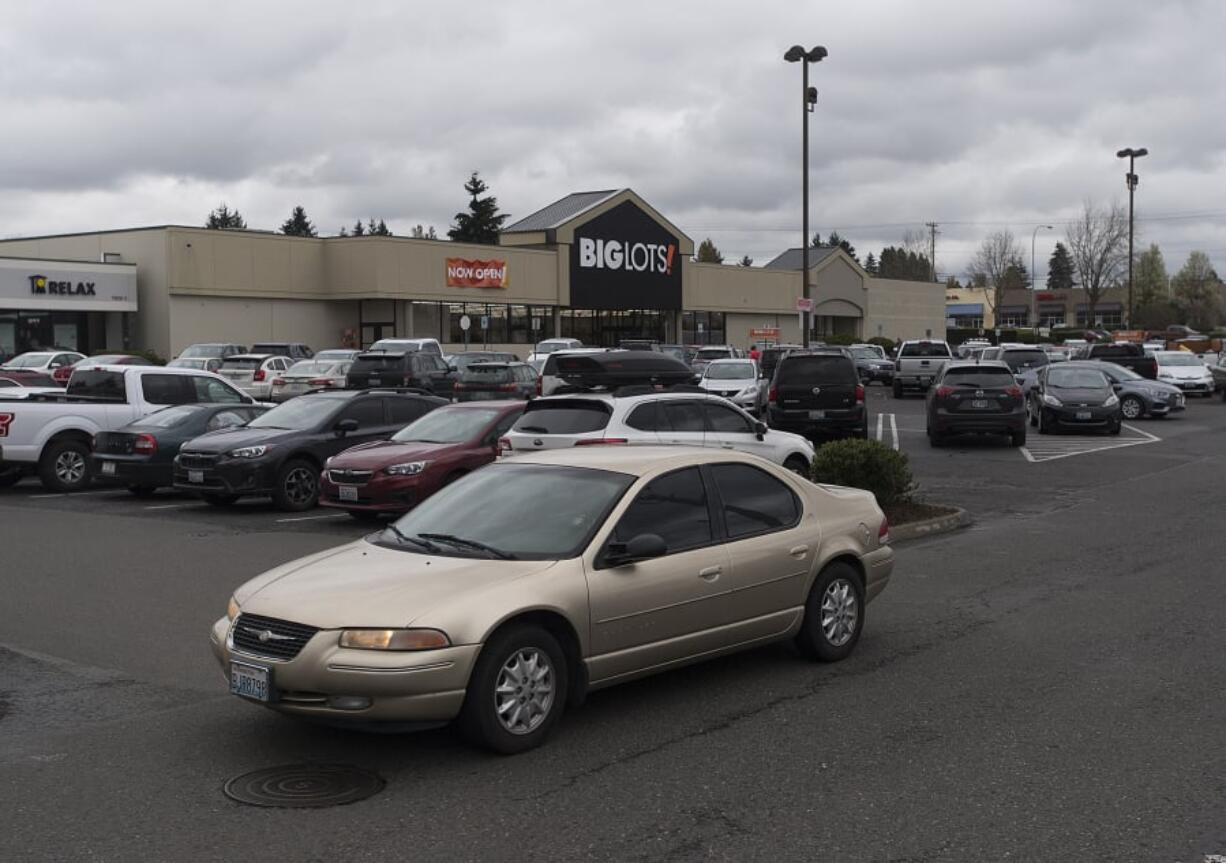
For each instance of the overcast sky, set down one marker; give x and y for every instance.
(974, 115)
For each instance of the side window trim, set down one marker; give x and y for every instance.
(717, 504)
(718, 535)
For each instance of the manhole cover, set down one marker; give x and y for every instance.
(297, 786)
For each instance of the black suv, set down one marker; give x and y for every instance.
(281, 453)
(817, 394)
(418, 369)
(980, 397)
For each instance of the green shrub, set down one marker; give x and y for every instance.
(866, 464)
(888, 344)
(837, 339)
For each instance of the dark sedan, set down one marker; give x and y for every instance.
(1070, 395)
(1139, 396)
(395, 475)
(976, 397)
(281, 453)
(141, 455)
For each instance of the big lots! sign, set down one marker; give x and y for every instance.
(463, 273)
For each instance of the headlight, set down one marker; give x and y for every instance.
(1166, 376)
(248, 451)
(1112, 401)
(408, 468)
(232, 609)
(1049, 399)
(394, 639)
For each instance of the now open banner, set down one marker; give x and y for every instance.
(465, 273)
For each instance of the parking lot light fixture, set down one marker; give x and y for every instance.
(1131, 154)
(798, 54)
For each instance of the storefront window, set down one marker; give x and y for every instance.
(527, 325)
(703, 328)
(1103, 316)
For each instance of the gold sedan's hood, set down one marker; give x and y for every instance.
(365, 585)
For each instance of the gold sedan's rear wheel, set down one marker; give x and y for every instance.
(834, 614)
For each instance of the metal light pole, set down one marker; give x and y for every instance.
(1034, 289)
(797, 54)
(1131, 154)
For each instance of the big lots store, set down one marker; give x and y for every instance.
(597, 266)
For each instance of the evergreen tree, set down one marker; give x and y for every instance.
(746, 261)
(377, 229)
(1016, 277)
(1150, 278)
(952, 284)
(1060, 269)
(1198, 292)
(708, 253)
(298, 225)
(421, 233)
(833, 241)
(898, 263)
(870, 264)
(482, 222)
(224, 218)
(359, 230)
(344, 232)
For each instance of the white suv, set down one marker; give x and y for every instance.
(652, 418)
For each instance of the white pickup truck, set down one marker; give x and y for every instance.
(918, 363)
(51, 433)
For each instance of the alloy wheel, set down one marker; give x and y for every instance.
(70, 467)
(524, 690)
(839, 612)
(1131, 408)
(300, 486)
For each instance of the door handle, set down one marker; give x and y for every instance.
(710, 573)
(726, 445)
(799, 551)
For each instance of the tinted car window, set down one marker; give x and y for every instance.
(685, 416)
(721, 418)
(225, 419)
(1025, 359)
(406, 410)
(753, 501)
(98, 385)
(165, 390)
(673, 506)
(819, 368)
(988, 377)
(487, 374)
(168, 417)
(925, 349)
(647, 417)
(211, 390)
(368, 412)
(564, 416)
(243, 363)
(366, 364)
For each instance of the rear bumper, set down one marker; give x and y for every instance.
(130, 471)
(944, 422)
(835, 421)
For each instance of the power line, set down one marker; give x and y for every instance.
(1157, 217)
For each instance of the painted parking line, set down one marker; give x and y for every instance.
(113, 491)
(170, 506)
(1052, 448)
(881, 423)
(312, 517)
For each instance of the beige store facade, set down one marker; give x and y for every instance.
(598, 266)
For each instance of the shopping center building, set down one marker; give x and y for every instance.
(597, 266)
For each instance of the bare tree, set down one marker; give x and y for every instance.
(1098, 245)
(994, 264)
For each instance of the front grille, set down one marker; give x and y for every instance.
(350, 477)
(267, 636)
(198, 459)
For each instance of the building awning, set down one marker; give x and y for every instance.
(956, 310)
(1014, 310)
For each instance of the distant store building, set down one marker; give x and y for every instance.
(597, 266)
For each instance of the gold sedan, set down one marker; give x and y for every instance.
(514, 591)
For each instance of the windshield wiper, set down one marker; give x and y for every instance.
(420, 543)
(535, 429)
(469, 543)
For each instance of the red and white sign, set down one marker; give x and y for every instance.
(764, 333)
(463, 273)
(804, 305)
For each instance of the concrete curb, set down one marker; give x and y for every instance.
(930, 526)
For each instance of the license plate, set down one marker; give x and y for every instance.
(250, 681)
(196, 476)
(817, 415)
(347, 492)
(979, 403)
(375, 382)
(108, 468)
(925, 380)
(1084, 415)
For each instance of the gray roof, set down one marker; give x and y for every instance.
(792, 259)
(560, 211)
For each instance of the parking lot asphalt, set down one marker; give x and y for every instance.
(1044, 685)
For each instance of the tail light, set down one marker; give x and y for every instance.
(1014, 391)
(508, 388)
(319, 382)
(538, 385)
(63, 373)
(258, 376)
(943, 392)
(883, 532)
(773, 395)
(146, 444)
(504, 446)
(460, 385)
(602, 441)
(278, 382)
(859, 394)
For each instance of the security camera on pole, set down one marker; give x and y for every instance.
(797, 54)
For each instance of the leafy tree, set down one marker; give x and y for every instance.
(298, 225)
(1149, 277)
(482, 222)
(223, 218)
(998, 263)
(708, 253)
(1060, 269)
(1198, 292)
(421, 233)
(1098, 243)
(952, 284)
(870, 264)
(746, 261)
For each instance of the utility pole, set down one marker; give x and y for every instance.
(797, 54)
(1131, 154)
(932, 227)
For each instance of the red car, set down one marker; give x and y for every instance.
(393, 476)
(63, 373)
